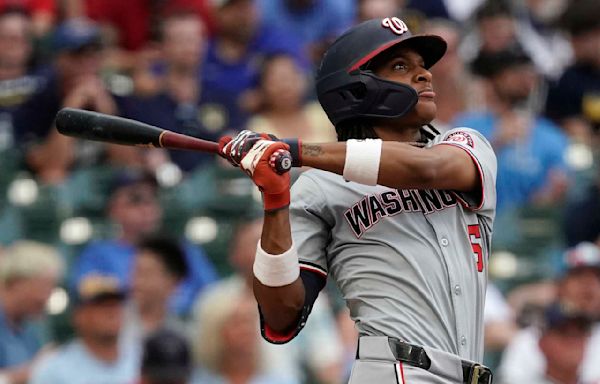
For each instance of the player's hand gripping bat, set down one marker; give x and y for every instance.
(118, 130)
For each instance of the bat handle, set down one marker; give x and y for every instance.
(281, 162)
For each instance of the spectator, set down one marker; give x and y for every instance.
(234, 56)
(582, 222)
(228, 347)
(135, 209)
(166, 359)
(284, 111)
(563, 339)
(529, 149)
(15, 85)
(316, 23)
(133, 24)
(372, 9)
(95, 356)
(458, 89)
(178, 103)
(307, 356)
(495, 30)
(573, 100)
(159, 267)
(579, 291)
(43, 13)
(29, 271)
(499, 27)
(499, 321)
(71, 81)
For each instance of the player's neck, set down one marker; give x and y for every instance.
(404, 134)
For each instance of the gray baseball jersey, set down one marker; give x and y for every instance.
(411, 264)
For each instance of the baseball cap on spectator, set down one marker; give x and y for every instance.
(488, 64)
(76, 34)
(95, 288)
(585, 254)
(132, 176)
(557, 316)
(166, 357)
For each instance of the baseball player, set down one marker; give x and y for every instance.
(399, 216)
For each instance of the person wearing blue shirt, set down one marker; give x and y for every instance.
(96, 355)
(529, 148)
(235, 54)
(135, 208)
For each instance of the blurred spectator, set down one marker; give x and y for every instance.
(538, 34)
(43, 13)
(429, 8)
(178, 103)
(29, 271)
(166, 359)
(529, 149)
(134, 207)
(15, 85)
(495, 30)
(372, 9)
(306, 357)
(235, 54)
(159, 268)
(563, 338)
(316, 23)
(71, 81)
(132, 25)
(500, 27)
(95, 356)
(574, 100)
(582, 221)
(499, 321)
(284, 111)
(228, 346)
(453, 83)
(579, 292)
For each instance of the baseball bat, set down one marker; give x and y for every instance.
(118, 130)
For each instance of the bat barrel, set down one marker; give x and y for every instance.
(101, 127)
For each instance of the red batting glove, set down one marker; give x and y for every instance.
(259, 164)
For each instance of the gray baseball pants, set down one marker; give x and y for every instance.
(376, 364)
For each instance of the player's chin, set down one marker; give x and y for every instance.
(426, 110)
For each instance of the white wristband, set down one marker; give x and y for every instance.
(276, 270)
(362, 161)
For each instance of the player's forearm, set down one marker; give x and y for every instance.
(281, 306)
(401, 165)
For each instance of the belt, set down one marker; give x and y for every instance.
(417, 356)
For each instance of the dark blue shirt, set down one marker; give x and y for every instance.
(34, 118)
(578, 85)
(208, 119)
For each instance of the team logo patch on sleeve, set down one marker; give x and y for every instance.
(461, 137)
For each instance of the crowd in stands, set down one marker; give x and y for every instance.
(134, 265)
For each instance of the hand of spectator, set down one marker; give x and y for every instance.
(90, 93)
(511, 128)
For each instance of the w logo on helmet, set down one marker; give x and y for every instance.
(395, 24)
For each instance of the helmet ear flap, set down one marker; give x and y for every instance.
(363, 94)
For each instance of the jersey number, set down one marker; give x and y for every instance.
(475, 238)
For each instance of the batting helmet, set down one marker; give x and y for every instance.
(346, 90)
